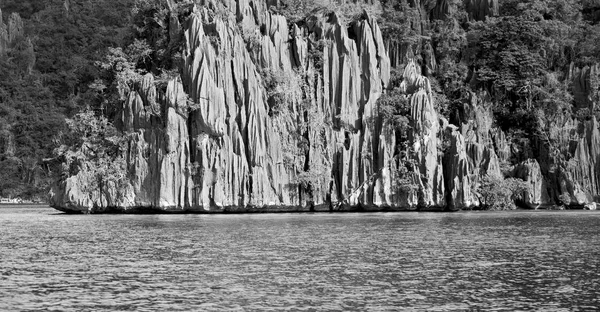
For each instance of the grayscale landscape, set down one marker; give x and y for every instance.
(299, 155)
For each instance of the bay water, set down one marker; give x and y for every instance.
(411, 261)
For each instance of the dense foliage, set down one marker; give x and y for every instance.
(497, 193)
(63, 57)
(97, 146)
(521, 55)
(47, 67)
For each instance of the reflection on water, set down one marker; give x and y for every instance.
(380, 262)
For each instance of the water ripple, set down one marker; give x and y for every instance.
(302, 262)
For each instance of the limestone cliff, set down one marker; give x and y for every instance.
(584, 82)
(236, 151)
(271, 116)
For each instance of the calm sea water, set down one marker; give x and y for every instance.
(303, 262)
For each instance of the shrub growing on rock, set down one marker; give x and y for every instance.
(497, 193)
(95, 148)
(283, 89)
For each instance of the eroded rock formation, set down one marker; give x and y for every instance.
(586, 82)
(582, 174)
(267, 116)
(233, 152)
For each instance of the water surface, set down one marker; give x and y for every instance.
(504, 261)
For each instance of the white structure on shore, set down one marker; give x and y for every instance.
(16, 200)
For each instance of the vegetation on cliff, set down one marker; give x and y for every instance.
(505, 75)
(48, 51)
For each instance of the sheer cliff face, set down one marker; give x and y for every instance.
(234, 151)
(268, 118)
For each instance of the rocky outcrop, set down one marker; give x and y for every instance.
(473, 151)
(458, 168)
(7, 143)
(566, 170)
(402, 50)
(480, 9)
(156, 159)
(581, 178)
(425, 131)
(10, 31)
(536, 195)
(13, 40)
(441, 10)
(586, 82)
(476, 126)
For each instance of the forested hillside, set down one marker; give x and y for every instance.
(48, 55)
(514, 87)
